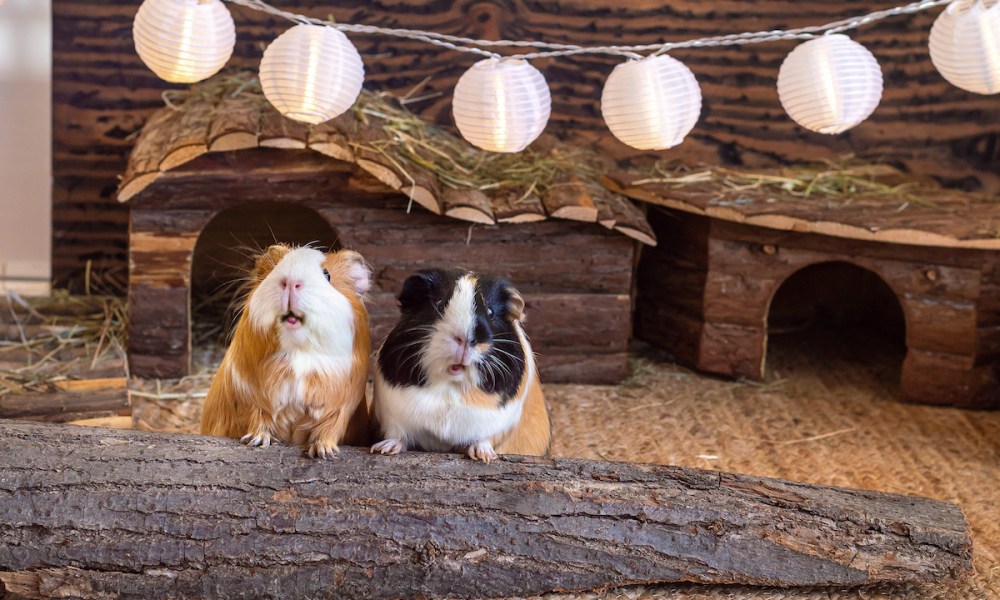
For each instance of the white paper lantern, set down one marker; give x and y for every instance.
(184, 41)
(311, 73)
(501, 105)
(652, 103)
(965, 45)
(830, 84)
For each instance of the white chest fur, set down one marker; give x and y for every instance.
(437, 418)
(290, 391)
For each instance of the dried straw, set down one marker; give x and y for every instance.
(844, 179)
(58, 338)
(411, 144)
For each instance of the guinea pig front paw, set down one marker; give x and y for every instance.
(389, 446)
(323, 449)
(261, 438)
(483, 451)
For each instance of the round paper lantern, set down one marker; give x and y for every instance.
(501, 104)
(652, 103)
(311, 73)
(830, 84)
(965, 46)
(184, 41)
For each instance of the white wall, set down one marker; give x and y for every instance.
(25, 144)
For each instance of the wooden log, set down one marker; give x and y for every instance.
(278, 131)
(570, 200)
(467, 205)
(621, 214)
(90, 511)
(327, 139)
(144, 163)
(949, 380)
(518, 205)
(368, 153)
(189, 137)
(70, 400)
(236, 125)
(110, 422)
(423, 188)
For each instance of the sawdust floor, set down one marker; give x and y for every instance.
(827, 415)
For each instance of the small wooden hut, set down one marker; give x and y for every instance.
(205, 173)
(727, 247)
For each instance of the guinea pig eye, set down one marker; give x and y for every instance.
(326, 274)
(489, 312)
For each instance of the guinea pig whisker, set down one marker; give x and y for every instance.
(506, 369)
(398, 349)
(493, 366)
(500, 351)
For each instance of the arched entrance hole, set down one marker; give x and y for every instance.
(837, 320)
(224, 253)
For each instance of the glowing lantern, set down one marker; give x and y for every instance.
(184, 41)
(830, 84)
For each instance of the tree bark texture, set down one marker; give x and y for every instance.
(90, 511)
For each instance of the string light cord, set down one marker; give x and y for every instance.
(554, 50)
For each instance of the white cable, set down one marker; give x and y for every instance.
(475, 46)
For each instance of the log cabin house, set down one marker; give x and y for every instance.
(734, 261)
(225, 170)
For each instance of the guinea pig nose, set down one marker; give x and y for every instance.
(295, 284)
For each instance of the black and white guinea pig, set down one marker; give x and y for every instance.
(457, 370)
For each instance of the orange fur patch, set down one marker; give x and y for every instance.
(332, 410)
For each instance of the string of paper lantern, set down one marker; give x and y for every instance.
(313, 73)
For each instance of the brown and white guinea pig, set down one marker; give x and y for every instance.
(298, 363)
(457, 371)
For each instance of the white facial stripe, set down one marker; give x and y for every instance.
(459, 315)
(328, 319)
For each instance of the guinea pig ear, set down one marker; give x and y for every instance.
(515, 304)
(358, 271)
(416, 289)
(268, 259)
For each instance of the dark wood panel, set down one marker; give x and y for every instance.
(102, 93)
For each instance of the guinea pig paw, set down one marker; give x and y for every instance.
(323, 449)
(262, 439)
(389, 446)
(483, 451)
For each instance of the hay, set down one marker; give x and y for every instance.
(58, 338)
(411, 143)
(836, 183)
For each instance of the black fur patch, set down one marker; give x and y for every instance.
(422, 302)
(502, 369)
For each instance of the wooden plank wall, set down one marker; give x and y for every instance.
(102, 93)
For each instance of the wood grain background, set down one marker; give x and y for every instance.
(102, 93)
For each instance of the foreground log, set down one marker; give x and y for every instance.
(70, 400)
(88, 511)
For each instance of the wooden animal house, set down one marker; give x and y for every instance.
(732, 251)
(221, 171)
